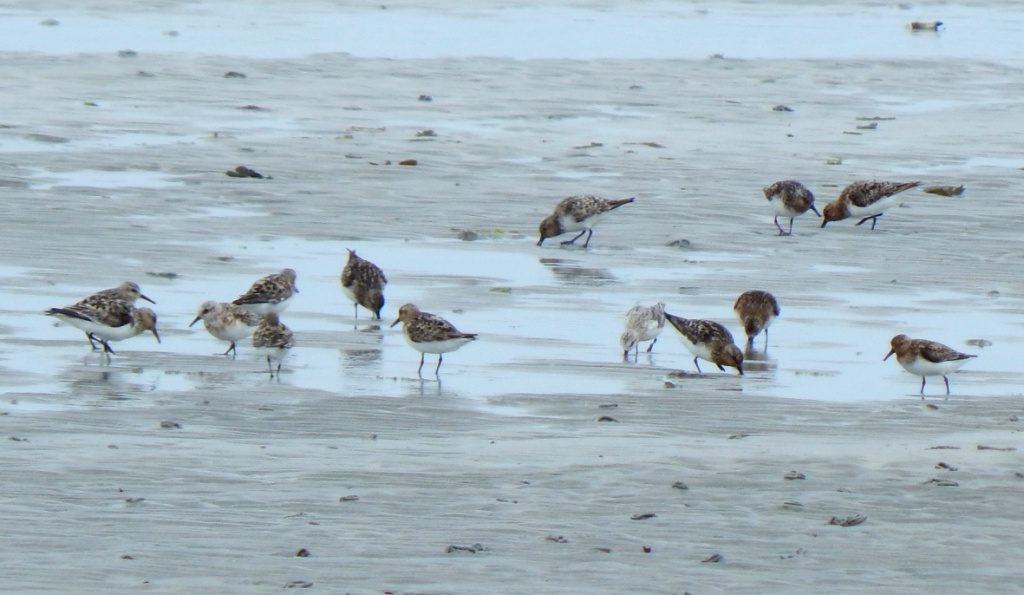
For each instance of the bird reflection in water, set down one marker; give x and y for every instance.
(571, 273)
(755, 360)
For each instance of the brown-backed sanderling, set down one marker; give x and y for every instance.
(643, 323)
(274, 339)
(363, 282)
(110, 320)
(577, 213)
(708, 340)
(226, 322)
(867, 199)
(789, 198)
(272, 293)
(923, 358)
(127, 292)
(756, 310)
(429, 333)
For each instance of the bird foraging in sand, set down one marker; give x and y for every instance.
(789, 198)
(111, 320)
(274, 339)
(867, 199)
(577, 213)
(643, 323)
(226, 322)
(429, 333)
(363, 282)
(272, 293)
(924, 358)
(127, 292)
(708, 340)
(756, 310)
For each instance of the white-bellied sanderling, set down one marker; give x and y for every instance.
(272, 293)
(226, 322)
(429, 333)
(924, 358)
(789, 198)
(109, 320)
(643, 323)
(756, 310)
(363, 282)
(128, 292)
(708, 340)
(274, 339)
(866, 199)
(577, 213)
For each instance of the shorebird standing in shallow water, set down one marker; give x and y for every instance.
(926, 358)
(127, 292)
(867, 199)
(577, 213)
(708, 340)
(363, 282)
(429, 333)
(226, 322)
(756, 310)
(274, 339)
(789, 198)
(272, 293)
(110, 320)
(643, 323)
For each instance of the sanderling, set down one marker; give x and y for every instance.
(363, 282)
(429, 333)
(926, 358)
(708, 340)
(272, 293)
(577, 213)
(127, 292)
(226, 322)
(274, 339)
(756, 310)
(789, 198)
(643, 323)
(110, 320)
(866, 199)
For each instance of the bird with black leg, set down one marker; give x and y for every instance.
(363, 282)
(789, 198)
(756, 310)
(708, 340)
(924, 358)
(429, 333)
(578, 213)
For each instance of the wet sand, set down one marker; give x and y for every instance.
(173, 469)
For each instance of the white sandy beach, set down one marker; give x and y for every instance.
(172, 469)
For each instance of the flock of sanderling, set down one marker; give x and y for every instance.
(111, 315)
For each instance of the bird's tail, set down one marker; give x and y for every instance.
(68, 312)
(614, 204)
(676, 321)
(897, 187)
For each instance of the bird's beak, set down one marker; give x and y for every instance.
(740, 369)
(815, 211)
(397, 320)
(887, 355)
(824, 223)
(195, 321)
(295, 289)
(146, 298)
(157, 335)
(540, 241)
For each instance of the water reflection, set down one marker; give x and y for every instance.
(357, 358)
(571, 273)
(108, 385)
(756, 360)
